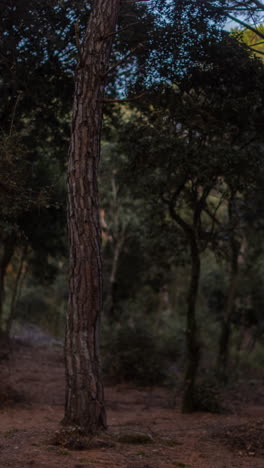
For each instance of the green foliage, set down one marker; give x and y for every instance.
(43, 303)
(195, 126)
(251, 39)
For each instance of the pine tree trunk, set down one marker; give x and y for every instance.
(84, 405)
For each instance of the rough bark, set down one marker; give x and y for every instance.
(84, 405)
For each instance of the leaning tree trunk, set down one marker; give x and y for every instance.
(192, 340)
(84, 405)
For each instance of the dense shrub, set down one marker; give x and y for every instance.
(134, 355)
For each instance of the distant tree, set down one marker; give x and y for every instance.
(189, 140)
(237, 249)
(37, 53)
(247, 13)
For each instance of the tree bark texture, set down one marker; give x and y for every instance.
(84, 406)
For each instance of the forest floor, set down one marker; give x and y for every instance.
(30, 418)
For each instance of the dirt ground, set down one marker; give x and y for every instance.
(200, 440)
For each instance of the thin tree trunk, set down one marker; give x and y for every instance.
(117, 233)
(225, 333)
(16, 290)
(84, 406)
(192, 340)
(111, 296)
(8, 250)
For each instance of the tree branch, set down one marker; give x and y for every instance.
(256, 50)
(246, 25)
(134, 98)
(121, 61)
(134, 1)
(185, 226)
(259, 4)
(120, 30)
(200, 205)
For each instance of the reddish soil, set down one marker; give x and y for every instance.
(200, 440)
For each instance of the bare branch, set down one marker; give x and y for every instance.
(185, 226)
(259, 4)
(257, 44)
(200, 205)
(246, 25)
(121, 30)
(256, 50)
(122, 60)
(134, 1)
(134, 98)
(247, 143)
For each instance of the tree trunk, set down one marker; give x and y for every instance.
(20, 274)
(225, 333)
(7, 253)
(110, 302)
(84, 406)
(192, 340)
